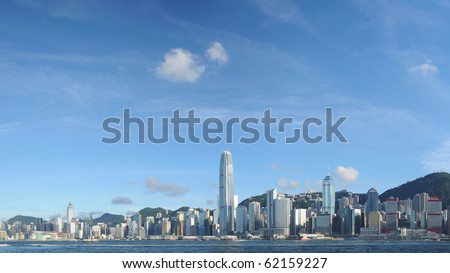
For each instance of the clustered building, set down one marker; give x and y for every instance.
(280, 215)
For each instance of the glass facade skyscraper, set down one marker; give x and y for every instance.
(226, 195)
(372, 201)
(328, 195)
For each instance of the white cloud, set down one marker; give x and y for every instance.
(274, 166)
(120, 200)
(216, 53)
(180, 65)
(424, 69)
(169, 189)
(286, 184)
(437, 159)
(349, 174)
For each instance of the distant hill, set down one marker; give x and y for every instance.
(436, 184)
(146, 212)
(110, 218)
(24, 219)
(258, 198)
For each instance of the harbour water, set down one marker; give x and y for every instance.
(237, 246)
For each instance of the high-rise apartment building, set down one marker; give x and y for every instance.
(434, 214)
(226, 195)
(391, 215)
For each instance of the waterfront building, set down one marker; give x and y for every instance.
(375, 220)
(226, 194)
(300, 220)
(323, 224)
(391, 215)
(241, 219)
(434, 214)
(254, 216)
(283, 208)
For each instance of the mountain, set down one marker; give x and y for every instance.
(146, 212)
(24, 219)
(258, 198)
(110, 218)
(435, 184)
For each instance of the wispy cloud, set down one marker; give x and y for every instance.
(213, 186)
(86, 215)
(68, 9)
(286, 184)
(312, 185)
(130, 213)
(210, 202)
(424, 69)
(121, 200)
(216, 53)
(283, 11)
(282, 168)
(9, 127)
(154, 185)
(180, 65)
(438, 159)
(347, 174)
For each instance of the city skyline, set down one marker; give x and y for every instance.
(67, 68)
(419, 217)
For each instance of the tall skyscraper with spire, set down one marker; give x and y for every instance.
(328, 195)
(226, 194)
(69, 217)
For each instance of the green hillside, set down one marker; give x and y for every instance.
(435, 184)
(110, 218)
(24, 219)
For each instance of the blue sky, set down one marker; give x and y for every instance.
(65, 66)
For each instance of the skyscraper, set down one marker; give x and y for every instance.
(328, 195)
(69, 217)
(391, 215)
(434, 214)
(372, 202)
(226, 194)
(271, 196)
(254, 216)
(241, 219)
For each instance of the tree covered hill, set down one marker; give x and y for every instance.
(435, 184)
